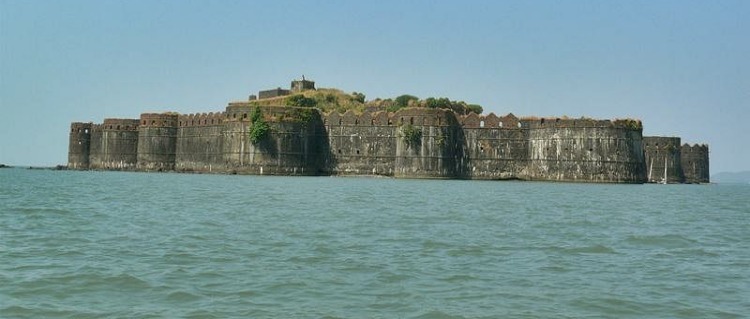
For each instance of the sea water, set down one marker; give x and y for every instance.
(163, 245)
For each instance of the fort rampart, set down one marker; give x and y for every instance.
(410, 143)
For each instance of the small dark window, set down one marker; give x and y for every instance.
(339, 151)
(411, 121)
(542, 121)
(356, 122)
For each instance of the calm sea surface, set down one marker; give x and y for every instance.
(138, 245)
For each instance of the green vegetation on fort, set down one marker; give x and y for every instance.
(407, 100)
(412, 135)
(259, 127)
(329, 100)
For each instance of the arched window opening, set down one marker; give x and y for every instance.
(500, 124)
(481, 123)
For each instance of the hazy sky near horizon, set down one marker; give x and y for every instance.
(682, 67)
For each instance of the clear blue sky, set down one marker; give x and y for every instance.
(683, 67)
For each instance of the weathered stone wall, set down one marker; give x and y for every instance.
(661, 151)
(157, 142)
(358, 145)
(79, 145)
(291, 146)
(412, 143)
(114, 144)
(200, 143)
(491, 147)
(694, 160)
(584, 150)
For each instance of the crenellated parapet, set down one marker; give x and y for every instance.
(159, 119)
(112, 124)
(557, 122)
(201, 119)
(489, 121)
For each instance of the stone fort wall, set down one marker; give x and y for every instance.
(694, 161)
(305, 142)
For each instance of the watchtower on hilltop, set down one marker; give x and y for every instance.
(302, 85)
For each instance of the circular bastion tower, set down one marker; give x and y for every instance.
(79, 145)
(157, 140)
(585, 150)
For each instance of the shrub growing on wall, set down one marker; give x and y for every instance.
(259, 127)
(412, 135)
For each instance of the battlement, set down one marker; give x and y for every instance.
(159, 120)
(694, 148)
(80, 127)
(661, 143)
(473, 120)
(241, 111)
(120, 124)
(201, 119)
(557, 122)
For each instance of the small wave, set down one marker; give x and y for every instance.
(182, 296)
(436, 314)
(459, 278)
(126, 281)
(596, 249)
(664, 241)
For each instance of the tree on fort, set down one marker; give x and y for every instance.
(402, 101)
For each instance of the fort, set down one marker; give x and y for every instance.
(266, 136)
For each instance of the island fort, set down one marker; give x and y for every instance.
(304, 131)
